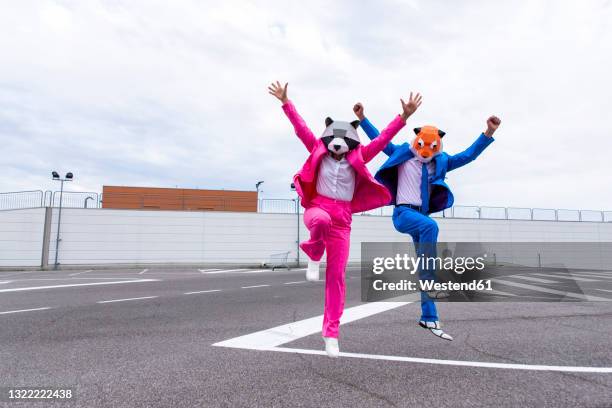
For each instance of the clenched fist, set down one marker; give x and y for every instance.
(492, 124)
(358, 109)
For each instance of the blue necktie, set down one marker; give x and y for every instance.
(424, 190)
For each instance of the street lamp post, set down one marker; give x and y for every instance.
(57, 177)
(297, 212)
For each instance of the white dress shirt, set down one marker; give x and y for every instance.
(336, 179)
(409, 181)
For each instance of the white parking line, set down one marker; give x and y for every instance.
(499, 292)
(293, 283)
(529, 278)
(595, 275)
(143, 271)
(254, 286)
(19, 273)
(78, 273)
(553, 291)
(529, 367)
(605, 290)
(208, 270)
(24, 310)
(5, 282)
(226, 271)
(202, 291)
(606, 272)
(272, 339)
(565, 276)
(258, 271)
(276, 336)
(128, 299)
(70, 279)
(77, 284)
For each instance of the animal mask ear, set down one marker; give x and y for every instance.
(355, 124)
(328, 121)
(441, 133)
(417, 130)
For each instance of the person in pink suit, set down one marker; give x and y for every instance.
(334, 183)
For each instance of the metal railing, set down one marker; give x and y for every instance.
(287, 206)
(21, 199)
(72, 199)
(38, 198)
(277, 206)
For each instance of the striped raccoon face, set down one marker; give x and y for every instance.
(340, 137)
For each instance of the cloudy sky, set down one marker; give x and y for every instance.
(173, 93)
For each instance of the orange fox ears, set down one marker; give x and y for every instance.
(440, 132)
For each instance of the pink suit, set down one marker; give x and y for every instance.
(329, 220)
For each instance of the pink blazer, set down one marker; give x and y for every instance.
(369, 193)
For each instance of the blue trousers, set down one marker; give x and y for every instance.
(424, 233)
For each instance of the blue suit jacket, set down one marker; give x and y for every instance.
(441, 196)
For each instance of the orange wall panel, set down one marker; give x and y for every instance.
(154, 198)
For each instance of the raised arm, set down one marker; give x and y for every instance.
(380, 142)
(369, 129)
(481, 143)
(301, 129)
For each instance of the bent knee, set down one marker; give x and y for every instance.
(431, 226)
(320, 220)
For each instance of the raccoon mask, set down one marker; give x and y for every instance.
(340, 137)
(427, 143)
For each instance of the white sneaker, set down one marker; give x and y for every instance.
(436, 329)
(312, 272)
(331, 347)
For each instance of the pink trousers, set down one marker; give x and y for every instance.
(329, 223)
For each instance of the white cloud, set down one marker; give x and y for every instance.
(165, 94)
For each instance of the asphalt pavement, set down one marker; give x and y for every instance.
(144, 338)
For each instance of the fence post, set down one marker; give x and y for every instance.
(297, 242)
(44, 259)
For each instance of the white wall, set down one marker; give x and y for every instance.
(21, 237)
(126, 236)
(380, 229)
(105, 236)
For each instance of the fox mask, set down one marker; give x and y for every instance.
(427, 143)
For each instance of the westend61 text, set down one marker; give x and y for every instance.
(428, 285)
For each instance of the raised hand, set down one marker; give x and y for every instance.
(412, 105)
(358, 109)
(492, 124)
(279, 91)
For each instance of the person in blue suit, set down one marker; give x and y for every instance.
(414, 173)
